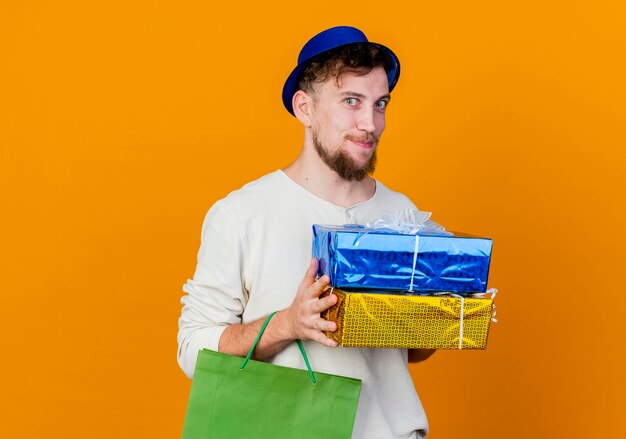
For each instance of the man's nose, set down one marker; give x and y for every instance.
(366, 120)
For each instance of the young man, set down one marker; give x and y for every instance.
(256, 242)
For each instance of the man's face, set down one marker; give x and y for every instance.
(348, 120)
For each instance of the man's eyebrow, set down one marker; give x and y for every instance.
(354, 94)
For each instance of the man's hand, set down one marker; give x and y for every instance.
(302, 318)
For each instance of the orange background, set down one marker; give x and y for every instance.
(122, 122)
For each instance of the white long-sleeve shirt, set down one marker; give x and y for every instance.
(256, 247)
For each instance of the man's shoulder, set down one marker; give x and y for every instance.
(255, 193)
(265, 184)
(249, 201)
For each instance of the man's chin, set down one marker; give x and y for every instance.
(351, 164)
(357, 171)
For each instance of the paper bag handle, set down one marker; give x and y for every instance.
(258, 337)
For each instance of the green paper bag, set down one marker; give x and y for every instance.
(240, 398)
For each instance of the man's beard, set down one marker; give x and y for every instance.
(343, 164)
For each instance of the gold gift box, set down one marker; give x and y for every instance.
(414, 322)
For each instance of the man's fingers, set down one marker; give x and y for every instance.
(319, 285)
(330, 343)
(309, 306)
(324, 303)
(321, 338)
(326, 325)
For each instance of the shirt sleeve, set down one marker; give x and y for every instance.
(215, 296)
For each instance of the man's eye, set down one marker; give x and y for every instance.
(350, 101)
(381, 104)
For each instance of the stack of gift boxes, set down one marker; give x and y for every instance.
(405, 290)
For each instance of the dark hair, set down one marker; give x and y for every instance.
(356, 58)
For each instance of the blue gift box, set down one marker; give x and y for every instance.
(360, 258)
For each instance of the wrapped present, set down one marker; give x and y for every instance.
(410, 321)
(360, 258)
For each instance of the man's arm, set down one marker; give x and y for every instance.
(216, 299)
(301, 320)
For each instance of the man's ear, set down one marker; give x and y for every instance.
(303, 107)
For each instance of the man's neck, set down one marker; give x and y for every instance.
(310, 172)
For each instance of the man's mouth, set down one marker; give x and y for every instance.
(363, 143)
